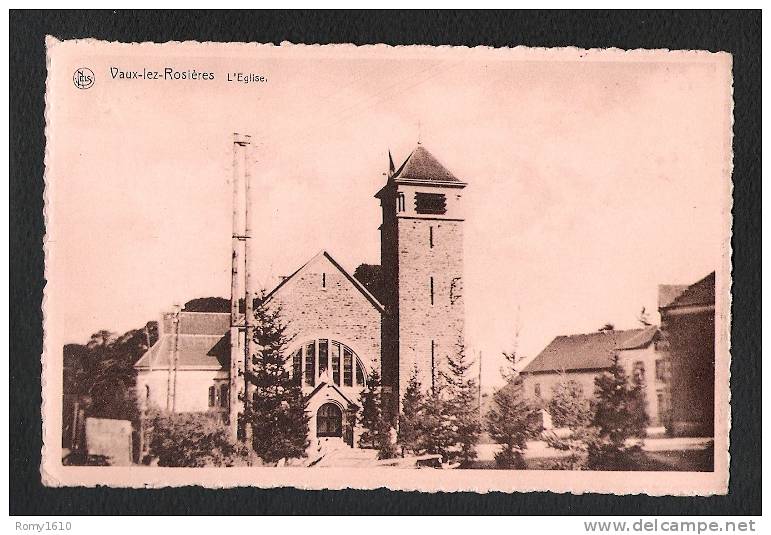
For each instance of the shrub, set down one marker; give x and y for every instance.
(194, 440)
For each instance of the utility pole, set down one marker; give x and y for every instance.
(479, 387)
(171, 399)
(240, 327)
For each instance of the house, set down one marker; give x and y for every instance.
(340, 332)
(582, 357)
(688, 343)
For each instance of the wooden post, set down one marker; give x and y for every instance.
(240, 355)
(248, 291)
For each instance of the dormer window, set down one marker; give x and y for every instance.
(430, 203)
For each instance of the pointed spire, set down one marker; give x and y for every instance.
(391, 166)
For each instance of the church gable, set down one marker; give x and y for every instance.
(324, 274)
(321, 300)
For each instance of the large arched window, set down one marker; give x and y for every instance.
(323, 356)
(329, 421)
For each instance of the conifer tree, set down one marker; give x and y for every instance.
(374, 420)
(411, 417)
(371, 412)
(461, 405)
(434, 431)
(570, 409)
(276, 411)
(619, 415)
(512, 419)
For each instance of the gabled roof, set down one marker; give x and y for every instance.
(592, 351)
(700, 293)
(203, 342)
(324, 254)
(421, 166)
(333, 386)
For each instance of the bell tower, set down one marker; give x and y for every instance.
(422, 263)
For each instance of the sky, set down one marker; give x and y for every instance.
(593, 176)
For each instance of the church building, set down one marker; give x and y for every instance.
(340, 331)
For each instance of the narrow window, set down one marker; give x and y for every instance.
(212, 396)
(347, 367)
(639, 371)
(297, 365)
(432, 290)
(323, 280)
(537, 390)
(323, 356)
(147, 392)
(224, 396)
(400, 199)
(310, 364)
(336, 363)
(431, 237)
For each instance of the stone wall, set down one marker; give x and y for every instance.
(429, 250)
(321, 302)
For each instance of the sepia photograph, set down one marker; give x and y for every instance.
(425, 268)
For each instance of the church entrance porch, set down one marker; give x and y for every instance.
(332, 419)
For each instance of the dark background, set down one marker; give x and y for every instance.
(738, 32)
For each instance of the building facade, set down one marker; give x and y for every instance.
(580, 358)
(340, 332)
(688, 343)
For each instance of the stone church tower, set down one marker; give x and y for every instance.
(422, 262)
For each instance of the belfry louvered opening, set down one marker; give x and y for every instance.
(430, 203)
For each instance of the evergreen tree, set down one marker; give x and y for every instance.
(371, 412)
(411, 417)
(434, 430)
(512, 419)
(569, 409)
(511, 422)
(461, 405)
(276, 412)
(619, 415)
(376, 425)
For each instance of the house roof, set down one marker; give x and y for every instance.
(643, 338)
(670, 292)
(209, 323)
(203, 342)
(590, 351)
(421, 165)
(324, 254)
(698, 293)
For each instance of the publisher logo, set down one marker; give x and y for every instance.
(83, 78)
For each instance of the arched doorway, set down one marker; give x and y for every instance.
(329, 421)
